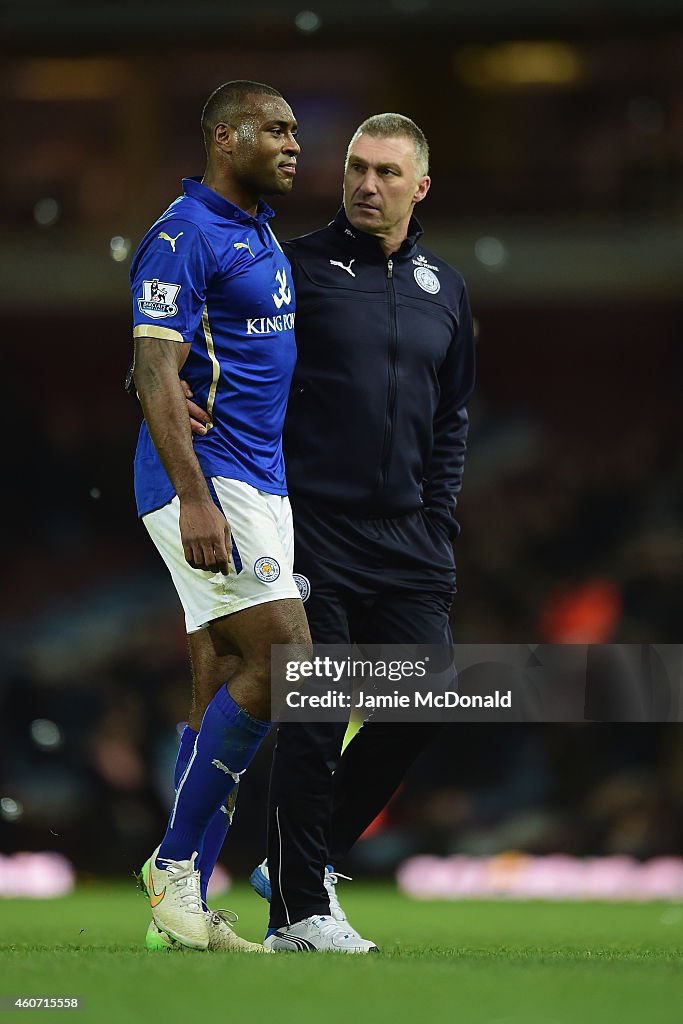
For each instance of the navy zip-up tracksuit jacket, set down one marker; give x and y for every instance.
(376, 423)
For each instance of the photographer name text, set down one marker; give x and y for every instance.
(372, 701)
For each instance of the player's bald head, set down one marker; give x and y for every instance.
(232, 103)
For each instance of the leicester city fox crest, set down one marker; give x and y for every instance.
(303, 585)
(266, 569)
(424, 276)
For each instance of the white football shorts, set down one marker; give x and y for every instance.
(262, 554)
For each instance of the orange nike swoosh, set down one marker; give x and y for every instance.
(155, 898)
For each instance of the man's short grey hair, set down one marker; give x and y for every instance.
(385, 126)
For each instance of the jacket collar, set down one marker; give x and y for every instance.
(193, 187)
(367, 245)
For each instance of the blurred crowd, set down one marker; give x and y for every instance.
(561, 542)
(572, 509)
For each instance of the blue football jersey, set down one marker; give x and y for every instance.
(210, 274)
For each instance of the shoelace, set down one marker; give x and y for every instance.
(331, 879)
(185, 877)
(228, 917)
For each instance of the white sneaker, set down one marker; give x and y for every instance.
(330, 882)
(260, 882)
(222, 937)
(318, 934)
(176, 901)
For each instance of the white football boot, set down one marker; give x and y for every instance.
(317, 934)
(176, 902)
(222, 937)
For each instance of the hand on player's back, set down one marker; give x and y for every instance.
(205, 534)
(199, 418)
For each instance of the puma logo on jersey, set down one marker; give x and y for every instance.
(167, 238)
(337, 263)
(244, 245)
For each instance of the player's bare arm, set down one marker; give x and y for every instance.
(203, 528)
(200, 422)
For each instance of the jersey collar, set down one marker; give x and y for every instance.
(193, 187)
(368, 245)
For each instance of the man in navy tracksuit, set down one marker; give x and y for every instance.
(374, 444)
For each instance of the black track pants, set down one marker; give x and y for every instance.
(372, 581)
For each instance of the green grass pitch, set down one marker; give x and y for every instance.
(474, 962)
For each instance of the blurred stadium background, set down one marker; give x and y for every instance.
(557, 156)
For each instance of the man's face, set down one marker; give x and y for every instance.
(264, 147)
(382, 185)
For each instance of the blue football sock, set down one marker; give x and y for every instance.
(225, 745)
(214, 837)
(184, 754)
(219, 824)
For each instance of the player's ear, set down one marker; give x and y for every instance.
(223, 136)
(422, 189)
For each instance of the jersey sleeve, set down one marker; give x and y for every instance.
(169, 278)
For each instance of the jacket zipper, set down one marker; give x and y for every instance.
(393, 377)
